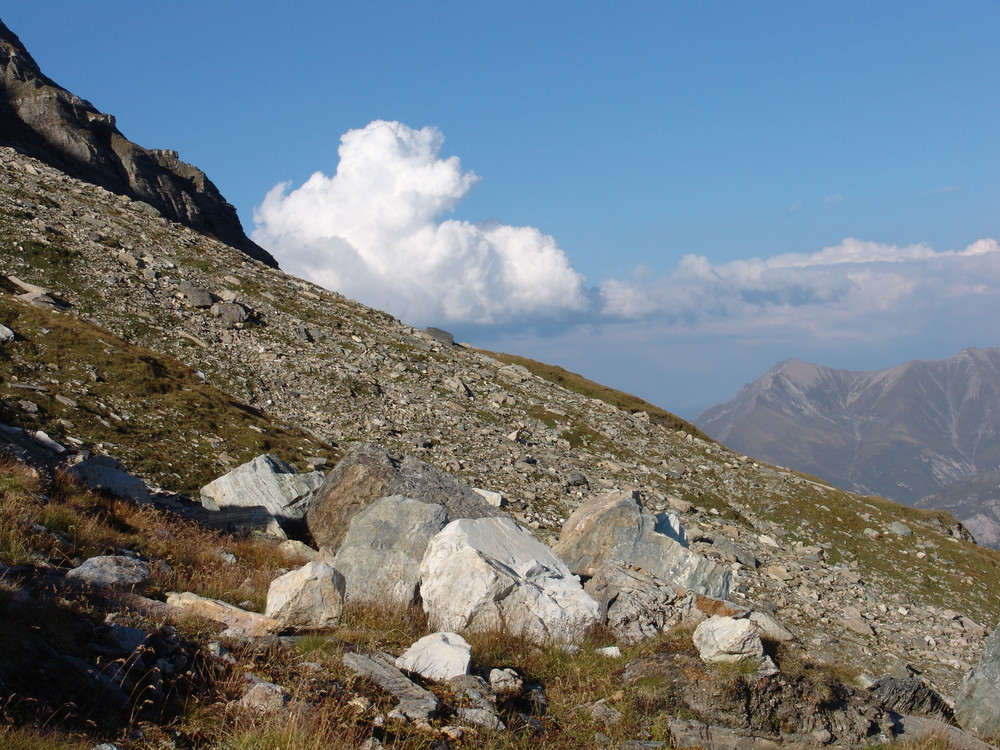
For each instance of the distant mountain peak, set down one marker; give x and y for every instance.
(903, 432)
(46, 121)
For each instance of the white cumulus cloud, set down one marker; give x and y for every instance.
(375, 232)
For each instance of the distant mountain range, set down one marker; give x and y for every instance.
(924, 433)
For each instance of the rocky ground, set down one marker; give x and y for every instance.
(872, 587)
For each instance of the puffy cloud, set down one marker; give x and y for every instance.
(374, 231)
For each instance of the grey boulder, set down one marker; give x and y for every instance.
(614, 527)
(106, 473)
(491, 574)
(310, 597)
(977, 705)
(438, 657)
(727, 639)
(385, 543)
(107, 571)
(367, 473)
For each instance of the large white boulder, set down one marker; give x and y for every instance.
(266, 481)
(438, 657)
(491, 574)
(310, 597)
(381, 554)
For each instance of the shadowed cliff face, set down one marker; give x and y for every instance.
(56, 126)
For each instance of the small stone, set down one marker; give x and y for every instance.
(437, 657)
(900, 529)
(506, 681)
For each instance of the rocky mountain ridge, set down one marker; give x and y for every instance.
(52, 124)
(903, 433)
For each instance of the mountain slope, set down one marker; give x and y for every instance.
(902, 432)
(45, 120)
(302, 357)
(115, 312)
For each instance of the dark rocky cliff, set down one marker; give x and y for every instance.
(46, 121)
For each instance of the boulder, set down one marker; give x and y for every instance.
(727, 639)
(977, 705)
(367, 473)
(231, 616)
(266, 481)
(770, 628)
(106, 473)
(266, 697)
(437, 657)
(614, 527)
(310, 597)
(385, 543)
(491, 574)
(107, 571)
(634, 604)
(230, 313)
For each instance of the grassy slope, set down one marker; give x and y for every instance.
(578, 384)
(148, 410)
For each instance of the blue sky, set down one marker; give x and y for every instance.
(750, 135)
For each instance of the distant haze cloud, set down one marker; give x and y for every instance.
(374, 231)
(837, 290)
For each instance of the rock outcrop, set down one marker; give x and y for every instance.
(58, 127)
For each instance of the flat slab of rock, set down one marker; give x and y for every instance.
(385, 543)
(367, 473)
(266, 481)
(106, 473)
(231, 616)
(414, 701)
(614, 527)
(107, 571)
(491, 574)
(310, 597)
(923, 729)
(438, 657)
